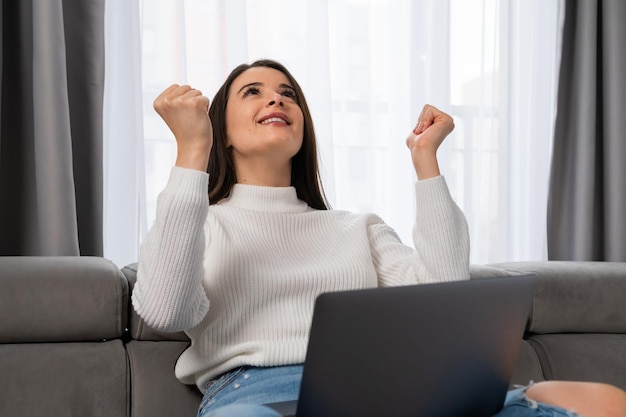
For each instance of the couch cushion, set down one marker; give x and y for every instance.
(528, 367)
(138, 328)
(585, 297)
(155, 390)
(582, 357)
(61, 299)
(64, 379)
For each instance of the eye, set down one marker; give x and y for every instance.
(251, 90)
(289, 93)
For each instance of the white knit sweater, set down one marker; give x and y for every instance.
(240, 277)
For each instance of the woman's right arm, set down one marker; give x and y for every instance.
(169, 294)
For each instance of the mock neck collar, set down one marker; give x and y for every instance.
(267, 199)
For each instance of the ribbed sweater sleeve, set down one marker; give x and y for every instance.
(440, 234)
(169, 294)
(440, 238)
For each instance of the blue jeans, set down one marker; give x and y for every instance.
(243, 391)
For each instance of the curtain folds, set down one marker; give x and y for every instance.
(587, 190)
(52, 84)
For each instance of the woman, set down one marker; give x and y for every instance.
(238, 268)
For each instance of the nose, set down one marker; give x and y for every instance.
(277, 99)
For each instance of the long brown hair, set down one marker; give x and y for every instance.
(304, 165)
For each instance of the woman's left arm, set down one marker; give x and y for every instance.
(440, 234)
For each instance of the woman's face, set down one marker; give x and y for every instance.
(262, 116)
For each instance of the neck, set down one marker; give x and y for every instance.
(263, 172)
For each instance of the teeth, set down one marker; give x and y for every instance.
(274, 119)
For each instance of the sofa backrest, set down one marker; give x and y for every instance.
(575, 297)
(577, 329)
(61, 348)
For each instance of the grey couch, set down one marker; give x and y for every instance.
(71, 345)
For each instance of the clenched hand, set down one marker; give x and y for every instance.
(185, 111)
(431, 129)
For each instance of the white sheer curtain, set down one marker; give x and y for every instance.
(124, 175)
(367, 67)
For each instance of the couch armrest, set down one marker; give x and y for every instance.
(575, 296)
(61, 299)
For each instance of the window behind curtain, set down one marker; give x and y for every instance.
(367, 68)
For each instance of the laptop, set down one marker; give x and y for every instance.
(445, 350)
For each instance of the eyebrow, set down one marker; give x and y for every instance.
(260, 84)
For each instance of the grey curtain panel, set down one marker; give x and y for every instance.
(52, 80)
(587, 201)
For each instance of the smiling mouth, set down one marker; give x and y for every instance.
(274, 120)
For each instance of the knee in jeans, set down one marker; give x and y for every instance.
(589, 399)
